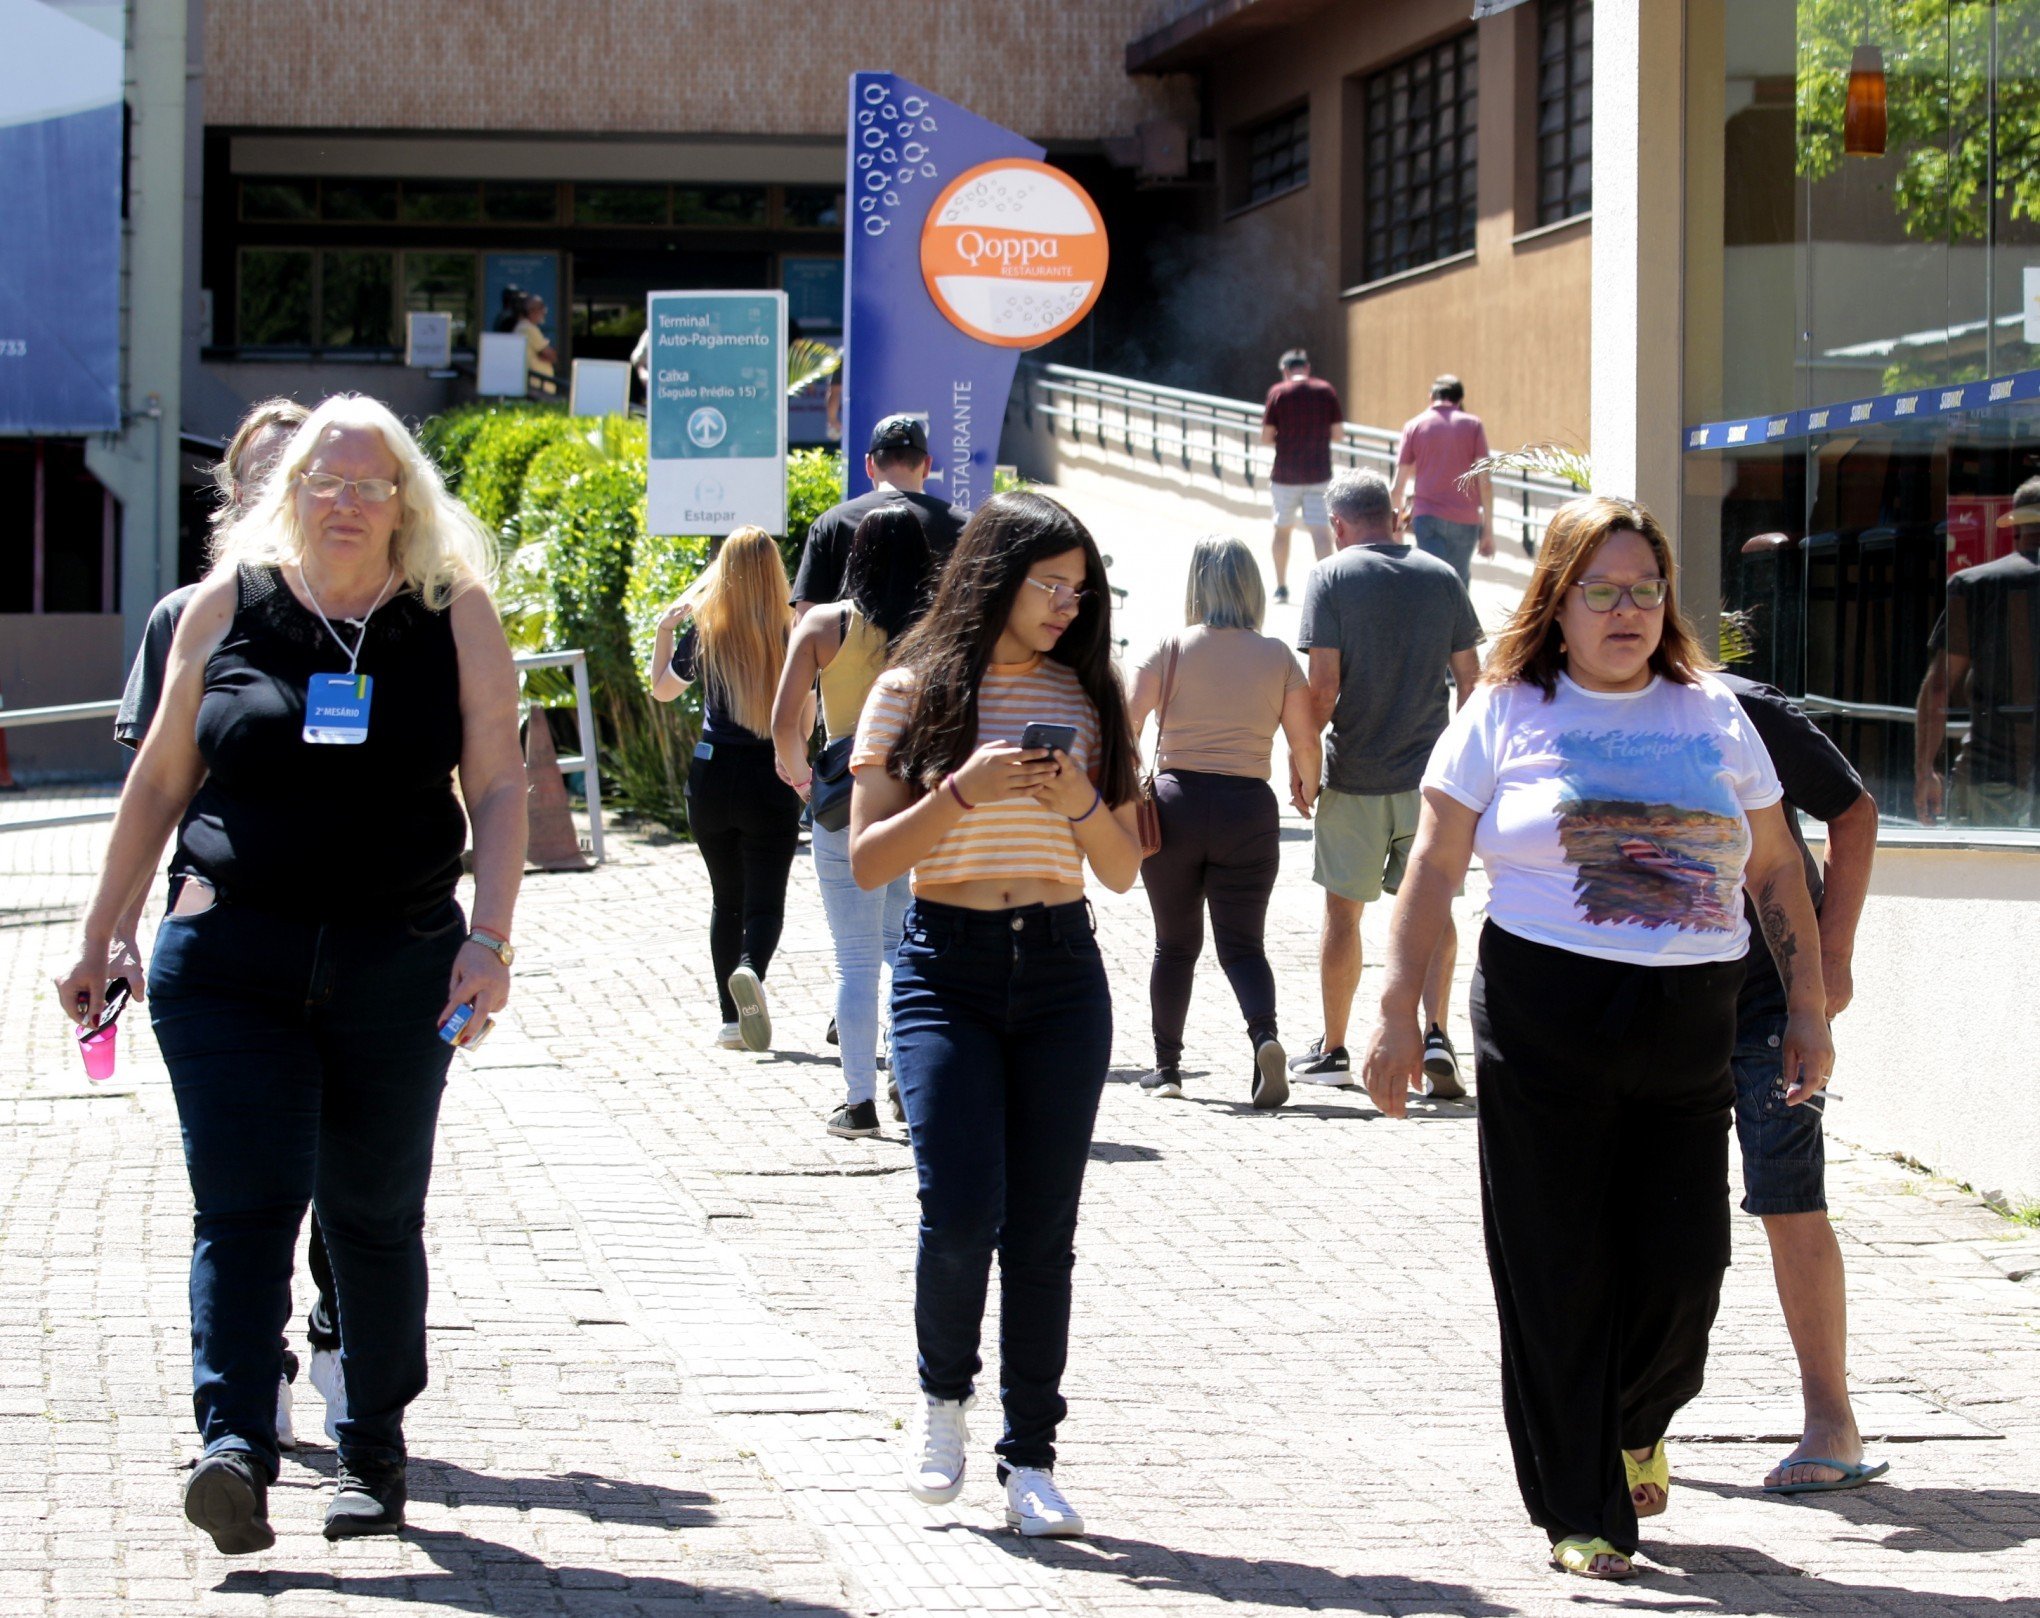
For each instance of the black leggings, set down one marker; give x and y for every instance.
(1221, 843)
(1605, 1100)
(746, 822)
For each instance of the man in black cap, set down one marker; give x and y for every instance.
(897, 465)
(1986, 658)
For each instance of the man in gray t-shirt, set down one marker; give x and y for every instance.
(1383, 624)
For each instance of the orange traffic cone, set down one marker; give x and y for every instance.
(555, 845)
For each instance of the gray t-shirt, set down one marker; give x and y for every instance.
(145, 680)
(1395, 616)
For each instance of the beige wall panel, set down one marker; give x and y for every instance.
(46, 660)
(1048, 68)
(1515, 331)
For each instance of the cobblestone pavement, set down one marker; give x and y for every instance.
(671, 1333)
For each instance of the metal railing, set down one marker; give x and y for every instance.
(1208, 434)
(585, 762)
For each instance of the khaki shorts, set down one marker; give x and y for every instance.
(1300, 503)
(1361, 842)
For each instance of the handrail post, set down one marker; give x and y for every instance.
(591, 769)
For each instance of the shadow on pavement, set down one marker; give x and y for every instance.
(1259, 1581)
(1106, 1151)
(1961, 1522)
(599, 1499)
(478, 1575)
(1754, 1585)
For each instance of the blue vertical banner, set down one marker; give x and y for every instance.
(902, 355)
(60, 160)
(716, 413)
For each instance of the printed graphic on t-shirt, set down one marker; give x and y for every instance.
(1652, 828)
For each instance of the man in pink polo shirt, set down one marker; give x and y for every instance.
(1438, 447)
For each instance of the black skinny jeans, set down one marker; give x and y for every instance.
(1221, 845)
(1605, 1099)
(746, 822)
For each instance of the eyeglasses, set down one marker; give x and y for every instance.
(1645, 594)
(1062, 594)
(325, 486)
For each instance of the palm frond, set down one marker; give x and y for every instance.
(807, 362)
(1572, 466)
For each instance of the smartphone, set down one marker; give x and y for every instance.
(1062, 738)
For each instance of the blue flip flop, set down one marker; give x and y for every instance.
(1853, 1477)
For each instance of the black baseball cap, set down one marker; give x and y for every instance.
(894, 434)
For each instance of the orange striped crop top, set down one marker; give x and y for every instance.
(993, 841)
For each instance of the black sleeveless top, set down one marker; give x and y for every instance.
(327, 833)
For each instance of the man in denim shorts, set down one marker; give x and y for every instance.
(1303, 419)
(1783, 1161)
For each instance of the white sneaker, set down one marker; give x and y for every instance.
(286, 1434)
(325, 1375)
(1036, 1507)
(754, 1022)
(729, 1038)
(935, 1465)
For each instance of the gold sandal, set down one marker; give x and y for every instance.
(1578, 1554)
(1657, 1472)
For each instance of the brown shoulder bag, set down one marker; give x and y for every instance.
(1148, 816)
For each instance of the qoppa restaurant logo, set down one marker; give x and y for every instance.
(1014, 253)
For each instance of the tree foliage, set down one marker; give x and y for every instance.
(1938, 71)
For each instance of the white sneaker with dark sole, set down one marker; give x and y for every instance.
(1036, 1507)
(936, 1462)
(754, 1022)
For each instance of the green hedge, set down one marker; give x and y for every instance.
(565, 497)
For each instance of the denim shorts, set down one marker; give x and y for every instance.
(1784, 1163)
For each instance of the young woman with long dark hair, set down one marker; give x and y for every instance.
(840, 650)
(1002, 1022)
(744, 819)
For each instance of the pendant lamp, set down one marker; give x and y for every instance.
(1863, 122)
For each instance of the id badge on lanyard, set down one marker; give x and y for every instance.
(336, 709)
(336, 705)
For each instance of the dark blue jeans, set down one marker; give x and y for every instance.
(307, 1068)
(1002, 1032)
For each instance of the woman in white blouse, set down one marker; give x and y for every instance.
(1620, 802)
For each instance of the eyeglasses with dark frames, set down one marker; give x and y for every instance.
(1647, 595)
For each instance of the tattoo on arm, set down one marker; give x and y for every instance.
(1778, 931)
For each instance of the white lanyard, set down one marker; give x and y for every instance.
(353, 652)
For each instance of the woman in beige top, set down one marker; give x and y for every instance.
(1229, 688)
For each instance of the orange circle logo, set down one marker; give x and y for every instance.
(1013, 253)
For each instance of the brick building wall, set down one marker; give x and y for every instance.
(1051, 69)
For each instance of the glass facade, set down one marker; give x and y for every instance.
(1862, 413)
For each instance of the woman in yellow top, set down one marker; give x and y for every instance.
(1002, 1021)
(841, 649)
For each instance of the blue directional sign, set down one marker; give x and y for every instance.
(717, 412)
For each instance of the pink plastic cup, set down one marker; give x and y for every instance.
(99, 1046)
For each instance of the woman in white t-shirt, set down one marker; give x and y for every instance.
(1620, 802)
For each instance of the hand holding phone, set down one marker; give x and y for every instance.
(1044, 737)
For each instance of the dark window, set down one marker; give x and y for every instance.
(360, 202)
(357, 300)
(620, 204)
(512, 204)
(279, 201)
(1565, 109)
(812, 207)
(441, 202)
(1276, 156)
(443, 281)
(728, 205)
(1421, 158)
(276, 297)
